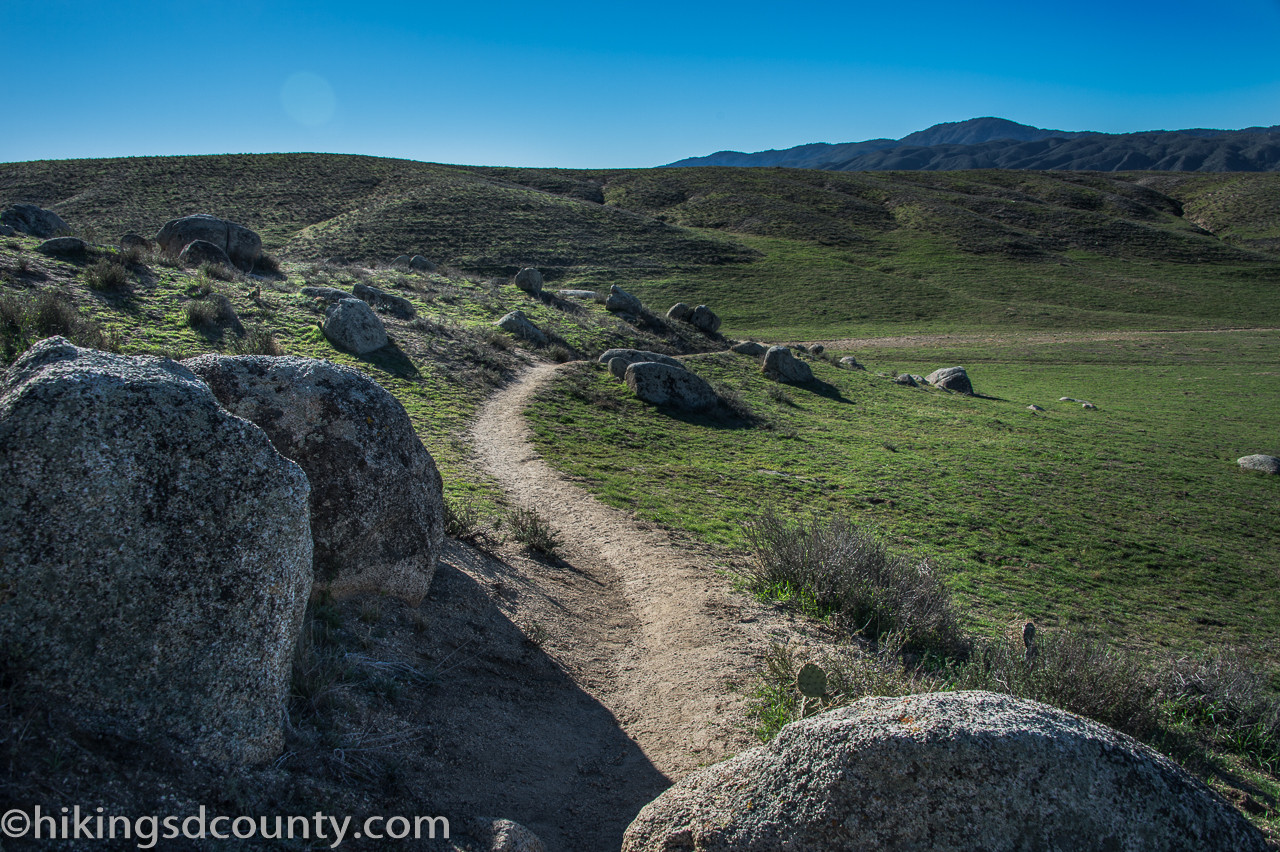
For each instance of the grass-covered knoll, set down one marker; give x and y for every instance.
(442, 363)
(776, 252)
(1132, 521)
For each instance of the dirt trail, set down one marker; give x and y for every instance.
(1036, 338)
(645, 625)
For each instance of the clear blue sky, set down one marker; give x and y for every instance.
(599, 85)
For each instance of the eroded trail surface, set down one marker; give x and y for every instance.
(643, 623)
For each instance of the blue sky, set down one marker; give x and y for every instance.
(581, 85)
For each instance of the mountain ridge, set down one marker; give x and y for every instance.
(997, 143)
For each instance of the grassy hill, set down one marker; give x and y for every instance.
(777, 252)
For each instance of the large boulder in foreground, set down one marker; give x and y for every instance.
(1261, 463)
(670, 387)
(242, 245)
(155, 553)
(944, 771)
(952, 379)
(34, 221)
(781, 366)
(377, 506)
(352, 325)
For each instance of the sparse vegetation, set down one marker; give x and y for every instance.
(530, 528)
(109, 274)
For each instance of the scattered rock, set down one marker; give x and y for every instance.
(377, 510)
(197, 252)
(799, 347)
(351, 324)
(943, 771)
(402, 260)
(329, 294)
(618, 367)
(1265, 464)
(1067, 399)
(1034, 408)
(240, 244)
(680, 311)
(6, 231)
(633, 356)
(905, 379)
(577, 294)
(781, 366)
(671, 387)
(704, 320)
(154, 551)
(919, 379)
(519, 325)
(851, 363)
(63, 246)
(392, 304)
(33, 221)
(952, 379)
(136, 241)
(1088, 406)
(622, 302)
(817, 349)
(418, 263)
(529, 280)
(748, 347)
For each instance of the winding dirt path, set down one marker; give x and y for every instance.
(643, 623)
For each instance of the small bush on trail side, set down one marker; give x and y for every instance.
(532, 530)
(463, 521)
(836, 569)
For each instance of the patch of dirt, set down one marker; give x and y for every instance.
(1032, 338)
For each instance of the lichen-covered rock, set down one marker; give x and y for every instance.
(781, 366)
(576, 294)
(1034, 408)
(905, 379)
(352, 325)
(679, 311)
(669, 387)
(705, 320)
(197, 252)
(242, 245)
(851, 363)
(529, 280)
(1261, 463)
(944, 772)
(155, 552)
(504, 835)
(952, 379)
(402, 260)
(329, 294)
(632, 356)
(521, 326)
(63, 247)
(418, 263)
(622, 302)
(34, 221)
(389, 302)
(618, 367)
(377, 510)
(748, 347)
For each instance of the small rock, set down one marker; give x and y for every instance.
(418, 263)
(1088, 406)
(1034, 408)
(504, 835)
(704, 320)
(668, 386)
(529, 280)
(197, 252)
(1263, 463)
(352, 325)
(6, 231)
(817, 349)
(1067, 399)
(329, 294)
(618, 367)
(905, 379)
(952, 379)
(383, 300)
(851, 363)
(519, 325)
(136, 241)
(620, 301)
(680, 311)
(632, 356)
(402, 260)
(577, 294)
(748, 347)
(63, 246)
(781, 366)
(33, 221)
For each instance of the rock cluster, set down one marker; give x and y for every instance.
(242, 246)
(943, 771)
(622, 302)
(382, 300)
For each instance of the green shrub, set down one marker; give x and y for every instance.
(29, 317)
(532, 530)
(836, 569)
(108, 275)
(257, 340)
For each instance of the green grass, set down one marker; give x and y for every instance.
(1131, 521)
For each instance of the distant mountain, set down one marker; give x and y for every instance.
(996, 143)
